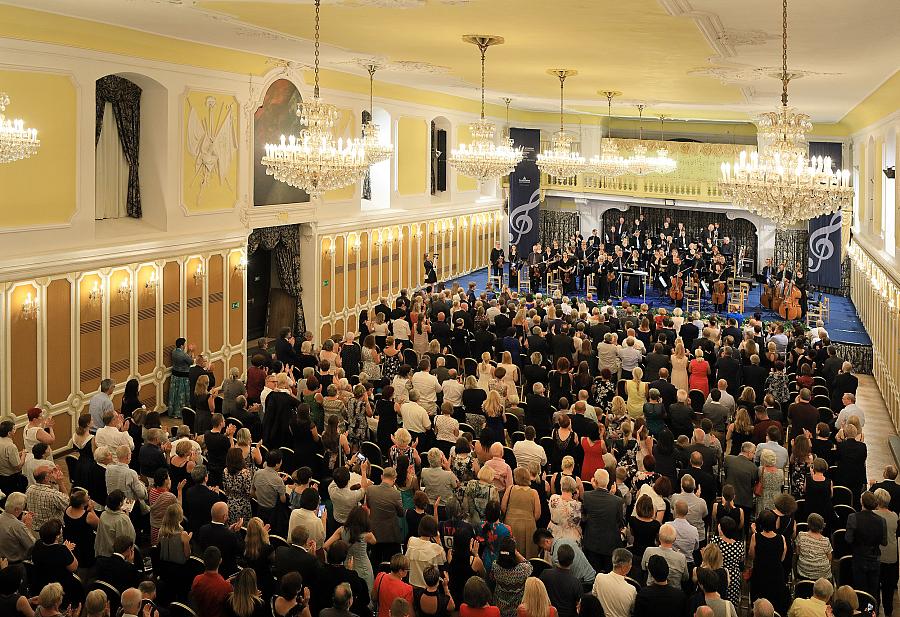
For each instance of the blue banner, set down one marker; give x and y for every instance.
(824, 261)
(525, 192)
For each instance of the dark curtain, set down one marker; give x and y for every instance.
(791, 246)
(557, 225)
(284, 242)
(125, 98)
(860, 356)
(367, 179)
(741, 231)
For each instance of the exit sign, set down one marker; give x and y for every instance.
(324, 282)
(235, 305)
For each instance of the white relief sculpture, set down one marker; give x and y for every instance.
(212, 143)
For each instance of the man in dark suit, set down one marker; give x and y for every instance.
(539, 413)
(656, 361)
(581, 424)
(440, 330)
(284, 351)
(199, 499)
(298, 556)
(562, 345)
(889, 483)
(709, 485)
(385, 510)
(466, 316)
(335, 572)
(802, 414)
(502, 322)
(534, 372)
(201, 367)
(597, 329)
(755, 377)
(118, 569)
(681, 415)
(536, 343)
(831, 366)
(729, 369)
(217, 533)
(866, 534)
(658, 597)
(733, 331)
(667, 391)
(604, 520)
(698, 444)
(844, 382)
(688, 333)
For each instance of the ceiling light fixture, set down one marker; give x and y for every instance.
(609, 162)
(376, 150)
(560, 161)
(664, 163)
(780, 182)
(640, 163)
(483, 159)
(315, 162)
(16, 141)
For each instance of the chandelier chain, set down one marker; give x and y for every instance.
(482, 46)
(371, 68)
(316, 68)
(562, 81)
(784, 44)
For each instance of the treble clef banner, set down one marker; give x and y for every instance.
(525, 192)
(824, 244)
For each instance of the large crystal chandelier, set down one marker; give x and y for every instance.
(483, 159)
(609, 162)
(16, 141)
(664, 163)
(376, 150)
(780, 182)
(315, 162)
(640, 162)
(559, 161)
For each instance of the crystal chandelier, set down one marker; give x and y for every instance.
(315, 162)
(483, 159)
(609, 162)
(376, 151)
(664, 163)
(16, 141)
(559, 161)
(641, 163)
(779, 182)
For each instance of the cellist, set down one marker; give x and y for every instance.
(719, 288)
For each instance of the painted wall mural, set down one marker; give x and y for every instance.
(210, 176)
(275, 117)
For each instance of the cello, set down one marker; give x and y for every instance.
(676, 290)
(718, 292)
(765, 296)
(790, 306)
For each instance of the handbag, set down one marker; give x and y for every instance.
(758, 488)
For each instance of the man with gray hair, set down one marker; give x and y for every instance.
(131, 602)
(615, 593)
(199, 499)
(101, 403)
(678, 567)
(114, 432)
(742, 473)
(604, 520)
(697, 508)
(48, 497)
(119, 476)
(763, 608)
(850, 409)
(415, 417)
(817, 604)
(342, 599)
(16, 525)
(452, 388)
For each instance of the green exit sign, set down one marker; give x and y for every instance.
(324, 282)
(235, 305)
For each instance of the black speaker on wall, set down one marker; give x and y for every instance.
(440, 155)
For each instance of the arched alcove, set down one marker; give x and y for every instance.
(276, 116)
(114, 156)
(869, 179)
(888, 188)
(440, 150)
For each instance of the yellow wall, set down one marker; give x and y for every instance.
(346, 128)
(212, 194)
(464, 183)
(883, 102)
(28, 25)
(412, 156)
(40, 190)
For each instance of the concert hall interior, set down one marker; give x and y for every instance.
(329, 198)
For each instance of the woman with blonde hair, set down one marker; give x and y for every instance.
(565, 511)
(96, 604)
(522, 507)
(403, 447)
(204, 403)
(480, 493)
(636, 391)
(246, 600)
(485, 371)
(252, 456)
(712, 559)
(739, 431)
(679, 361)
(535, 601)
(258, 553)
(493, 422)
(512, 371)
(698, 369)
(566, 470)
(174, 541)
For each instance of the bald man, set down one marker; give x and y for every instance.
(131, 602)
(218, 533)
(604, 520)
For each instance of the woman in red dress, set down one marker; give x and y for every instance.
(698, 370)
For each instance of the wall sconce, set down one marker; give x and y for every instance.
(390, 236)
(124, 290)
(452, 226)
(95, 295)
(241, 265)
(418, 233)
(378, 241)
(464, 223)
(30, 307)
(199, 274)
(150, 284)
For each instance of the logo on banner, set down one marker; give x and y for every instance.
(821, 247)
(520, 219)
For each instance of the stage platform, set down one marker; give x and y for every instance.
(843, 327)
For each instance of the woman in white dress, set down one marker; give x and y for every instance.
(485, 372)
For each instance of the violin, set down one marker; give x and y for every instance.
(676, 290)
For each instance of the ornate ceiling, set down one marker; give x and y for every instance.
(692, 59)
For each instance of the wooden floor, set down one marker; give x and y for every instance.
(878, 427)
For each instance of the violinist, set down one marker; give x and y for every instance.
(611, 239)
(710, 234)
(766, 274)
(497, 259)
(633, 263)
(535, 262)
(567, 272)
(556, 250)
(622, 227)
(515, 264)
(551, 263)
(594, 239)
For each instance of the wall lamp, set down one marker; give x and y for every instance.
(30, 307)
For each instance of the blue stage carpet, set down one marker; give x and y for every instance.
(844, 325)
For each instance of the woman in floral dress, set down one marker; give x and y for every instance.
(236, 482)
(391, 359)
(510, 571)
(359, 410)
(565, 511)
(371, 359)
(603, 392)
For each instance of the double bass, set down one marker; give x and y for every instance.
(718, 292)
(790, 306)
(676, 289)
(766, 296)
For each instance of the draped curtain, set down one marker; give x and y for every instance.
(741, 231)
(791, 247)
(284, 242)
(111, 172)
(125, 98)
(557, 225)
(367, 179)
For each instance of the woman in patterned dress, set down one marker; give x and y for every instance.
(359, 410)
(730, 543)
(565, 511)
(510, 571)
(236, 482)
(391, 359)
(371, 359)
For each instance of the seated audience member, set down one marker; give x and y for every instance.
(817, 605)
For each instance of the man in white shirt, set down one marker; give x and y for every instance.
(697, 508)
(184, 434)
(119, 476)
(727, 400)
(453, 389)
(492, 311)
(687, 539)
(415, 419)
(616, 594)
(850, 409)
(589, 411)
(114, 432)
(528, 451)
(427, 385)
(271, 384)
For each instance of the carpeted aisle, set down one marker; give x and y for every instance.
(844, 325)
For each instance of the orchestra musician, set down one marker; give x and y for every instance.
(800, 283)
(727, 248)
(535, 262)
(430, 272)
(515, 265)
(718, 285)
(622, 227)
(497, 259)
(567, 266)
(594, 239)
(676, 270)
(634, 282)
(611, 239)
(767, 272)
